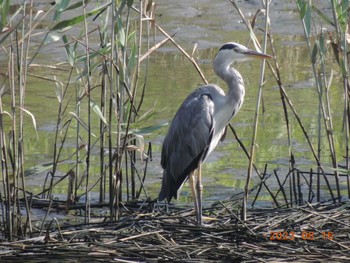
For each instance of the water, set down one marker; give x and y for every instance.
(172, 77)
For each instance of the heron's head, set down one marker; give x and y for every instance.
(233, 51)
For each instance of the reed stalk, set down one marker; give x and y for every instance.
(88, 93)
(112, 55)
(341, 23)
(259, 97)
(317, 53)
(22, 84)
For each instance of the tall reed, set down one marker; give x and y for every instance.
(17, 37)
(320, 63)
(319, 49)
(108, 98)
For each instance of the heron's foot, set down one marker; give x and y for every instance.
(209, 219)
(160, 206)
(202, 220)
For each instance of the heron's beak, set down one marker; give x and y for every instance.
(255, 54)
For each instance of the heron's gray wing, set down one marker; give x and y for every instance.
(186, 142)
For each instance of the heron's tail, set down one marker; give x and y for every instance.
(164, 190)
(169, 188)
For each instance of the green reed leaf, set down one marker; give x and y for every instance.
(148, 129)
(98, 111)
(33, 120)
(81, 122)
(302, 8)
(60, 7)
(38, 169)
(67, 24)
(314, 54)
(322, 15)
(307, 20)
(4, 7)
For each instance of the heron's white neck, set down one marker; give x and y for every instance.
(232, 77)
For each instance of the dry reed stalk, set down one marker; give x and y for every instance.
(259, 96)
(87, 87)
(281, 188)
(170, 38)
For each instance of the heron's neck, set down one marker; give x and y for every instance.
(233, 79)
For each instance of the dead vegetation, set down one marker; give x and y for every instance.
(145, 233)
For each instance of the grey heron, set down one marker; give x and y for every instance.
(199, 124)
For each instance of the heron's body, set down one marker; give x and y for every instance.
(206, 129)
(200, 124)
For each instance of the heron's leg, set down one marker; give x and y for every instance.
(194, 192)
(199, 189)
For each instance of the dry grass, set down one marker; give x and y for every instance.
(146, 234)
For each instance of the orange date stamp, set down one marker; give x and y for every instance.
(305, 235)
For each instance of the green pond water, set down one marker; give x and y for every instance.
(171, 77)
